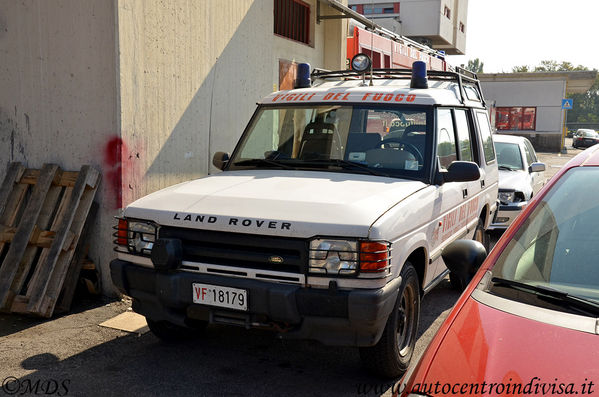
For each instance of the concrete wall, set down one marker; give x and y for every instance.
(545, 95)
(190, 75)
(425, 18)
(460, 8)
(58, 92)
(420, 17)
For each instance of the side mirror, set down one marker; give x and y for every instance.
(461, 171)
(220, 160)
(463, 258)
(536, 167)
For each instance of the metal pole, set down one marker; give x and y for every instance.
(564, 150)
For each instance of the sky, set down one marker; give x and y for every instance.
(508, 33)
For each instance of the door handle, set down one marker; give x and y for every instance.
(482, 183)
(464, 193)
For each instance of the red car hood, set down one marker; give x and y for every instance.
(486, 344)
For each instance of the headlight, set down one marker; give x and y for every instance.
(511, 197)
(506, 197)
(347, 257)
(142, 236)
(137, 236)
(333, 257)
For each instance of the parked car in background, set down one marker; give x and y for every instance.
(528, 319)
(585, 138)
(521, 176)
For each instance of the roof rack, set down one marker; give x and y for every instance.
(460, 76)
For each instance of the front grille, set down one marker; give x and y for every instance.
(248, 251)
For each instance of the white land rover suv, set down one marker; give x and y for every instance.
(329, 218)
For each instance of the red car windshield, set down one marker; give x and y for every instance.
(557, 246)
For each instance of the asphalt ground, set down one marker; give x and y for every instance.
(72, 355)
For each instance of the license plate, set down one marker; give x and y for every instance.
(214, 295)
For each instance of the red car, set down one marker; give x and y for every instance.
(528, 322)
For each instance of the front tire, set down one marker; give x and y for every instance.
(391, 356)
(481, 235)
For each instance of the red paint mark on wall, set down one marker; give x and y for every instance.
(113, 163)
(123, 170)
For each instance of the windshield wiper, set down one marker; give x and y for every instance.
(577, 302)
(346, 165)
(263, 162)
(505, 167)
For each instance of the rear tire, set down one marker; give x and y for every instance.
(390, 357)
(173, 333)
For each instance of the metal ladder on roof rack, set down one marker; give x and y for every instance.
(460, 76)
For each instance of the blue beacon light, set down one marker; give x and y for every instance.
(303, 76)
(419, 79)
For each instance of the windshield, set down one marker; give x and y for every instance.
(508, 155)
(558, 244)
(376, 140)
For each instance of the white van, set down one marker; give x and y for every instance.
(329, 218)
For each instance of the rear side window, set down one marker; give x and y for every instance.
(485, 135)
(463, 129)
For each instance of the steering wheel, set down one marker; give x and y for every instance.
(410, 148)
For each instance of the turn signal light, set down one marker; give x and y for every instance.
(374, 256)
(122, 233)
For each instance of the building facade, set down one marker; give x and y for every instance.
(530, 104)
(440, 24)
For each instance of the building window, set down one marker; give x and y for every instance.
(380, 8)
(516, 118)
(447, 12)
(461, 27)
(292, 20)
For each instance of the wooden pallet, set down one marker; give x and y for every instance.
(42, 215)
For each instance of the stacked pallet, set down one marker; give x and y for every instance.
(42, 217)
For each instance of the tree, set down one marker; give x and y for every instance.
(586, 106)
(475, 65)
(521, 69)
(549, 66)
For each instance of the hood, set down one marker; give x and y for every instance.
(486, 344)
(516, 180)
(276, 202)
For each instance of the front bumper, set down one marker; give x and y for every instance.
(583, 143)
(505, 215)
(330, 316)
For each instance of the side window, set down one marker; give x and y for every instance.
(446, 144)
(485, 135)
(531, 156)
(463, 129)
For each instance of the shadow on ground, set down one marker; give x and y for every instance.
(222, 361)
(11, 323)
